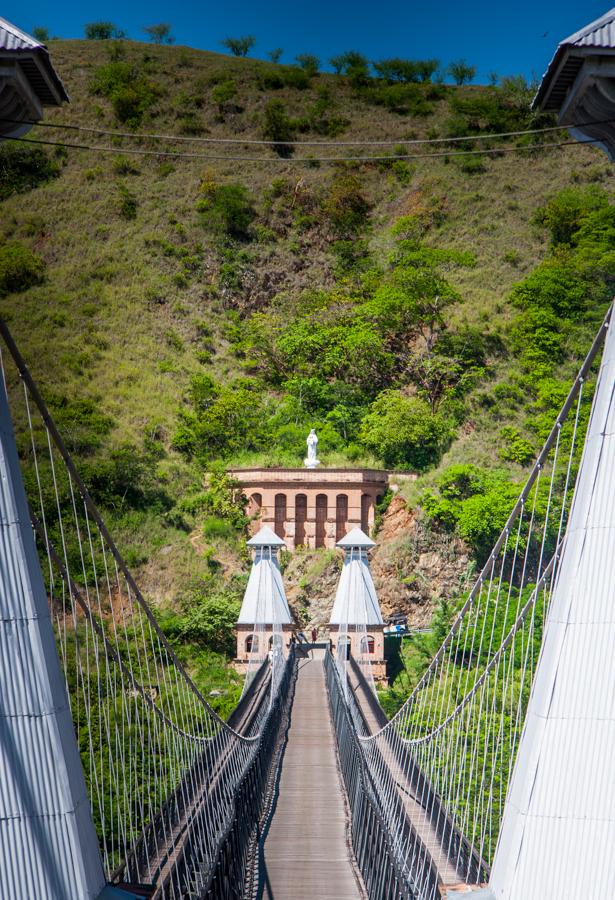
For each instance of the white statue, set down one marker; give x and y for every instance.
(311, 462)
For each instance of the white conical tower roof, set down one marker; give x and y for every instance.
(356, 602)
(558, 832)
(264, 602)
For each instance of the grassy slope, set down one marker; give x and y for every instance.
(115, 318)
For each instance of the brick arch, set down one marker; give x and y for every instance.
(341, 516)
(366, 505)
(321, 519)
(300, 519)
(280, 506)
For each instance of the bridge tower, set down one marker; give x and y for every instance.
(356, 616)
(558, 829)
(48, 844)
(265, 616)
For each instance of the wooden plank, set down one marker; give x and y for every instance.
(306, 851)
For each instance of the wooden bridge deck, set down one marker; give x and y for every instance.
(307, 851)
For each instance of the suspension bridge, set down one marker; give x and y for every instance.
(119, 780)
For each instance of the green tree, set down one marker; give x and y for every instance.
(275, 55)
(19, 268)
(41, 34)
(223, 93)
(240, 46)
(278, 127)
(461, 72)
(403, 432)
(23, 167)
(309, 63)
(406, 71)
(102, 31)
(346, 206)
(227, 209)
(160, 33)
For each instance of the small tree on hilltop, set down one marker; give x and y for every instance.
(102, 31)
(160, 33)
(41, 35)
(239, 46)
(461, 72)
(309, 63)
(275, 55)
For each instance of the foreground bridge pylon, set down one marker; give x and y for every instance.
(558, 831)
(45, 813)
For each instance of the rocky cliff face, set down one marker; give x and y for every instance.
(413, 569)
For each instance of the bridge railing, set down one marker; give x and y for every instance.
(239, 842)
(468, 862)
(371, 841)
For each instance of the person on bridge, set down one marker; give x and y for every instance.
(314, 635)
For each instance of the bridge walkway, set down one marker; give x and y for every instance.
(374, 718)
(307, 852)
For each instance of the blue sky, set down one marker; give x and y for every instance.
(508, 38)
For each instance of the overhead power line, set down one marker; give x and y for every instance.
(132, 135)
(136, 151)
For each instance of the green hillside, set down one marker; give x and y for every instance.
(186, 314)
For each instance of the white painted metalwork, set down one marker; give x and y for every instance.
(265, 600)
(48, 845)
(558, 831)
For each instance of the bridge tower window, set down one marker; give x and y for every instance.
(300, 519)
(341, 516)
(252, 643)
(321, 519)
(368, 644)
(280, 515)
(255, 504)
(366, 502)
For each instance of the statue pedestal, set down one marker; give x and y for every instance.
(311, 463)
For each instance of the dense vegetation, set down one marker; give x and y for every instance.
(186, 315)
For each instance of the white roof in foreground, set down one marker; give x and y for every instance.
(264, 602)
(266, 538)
(356, 538)
(356, 602)
(558, 830)
(599, 33)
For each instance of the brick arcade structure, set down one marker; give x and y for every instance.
(312, 507)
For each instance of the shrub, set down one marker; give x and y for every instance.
(227, 209)
(223, 93)
(124, 165)
(515, 448)
(278, 127)
(309, 63)
(275, 55)
(472, 163)
(564, 214)
(23, 168)
(160, 33)
(102, 31)
(406, 70)
(402, 431)
(351, 63)
(240, 46)
(556, 284)
(41, 35)
(346, 206)
(129, 92)
(461, 72)
(19, 268)
(128, 203)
